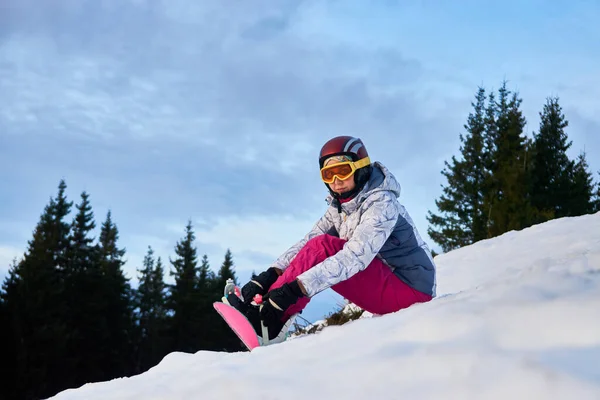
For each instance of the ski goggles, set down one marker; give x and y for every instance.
(343, 170)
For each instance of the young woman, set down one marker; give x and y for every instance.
(366, 247)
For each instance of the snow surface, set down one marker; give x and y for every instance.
(516, 317)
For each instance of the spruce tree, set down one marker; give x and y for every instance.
(597, 202)
(83, 301)
(209, 291)
(184, 296)
(550, 180)
(490, 164)
(151, 312)
(8, 343)
(33, 304)
(205, 276)
(462, 218)
(227, 270)
(581, 199)
(144, 308)
(82, 252)
(510, 207)
(117, 305)
(227, 340)
(61, 229)
(158, 329)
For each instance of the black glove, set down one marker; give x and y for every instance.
(259, 284)
(278, 300)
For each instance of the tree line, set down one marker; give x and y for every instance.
(505, 180)
(69, 315)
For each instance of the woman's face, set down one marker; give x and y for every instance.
(339, 186)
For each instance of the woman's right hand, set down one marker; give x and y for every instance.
(260, 284)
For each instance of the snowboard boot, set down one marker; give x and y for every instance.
(236, 302)
(233, 296)
(276, 332)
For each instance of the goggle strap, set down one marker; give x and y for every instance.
(363, 162)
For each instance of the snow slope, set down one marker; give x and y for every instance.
(516, 317)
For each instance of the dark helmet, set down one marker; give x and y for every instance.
(353, 148)
(343, 145)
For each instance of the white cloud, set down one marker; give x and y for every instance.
(257, 89)
(267, 236)
(270, 235)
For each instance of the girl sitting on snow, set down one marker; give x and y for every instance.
(366, 248)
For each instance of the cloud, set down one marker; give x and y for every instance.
(203, 75)
(268, 235)
(201, 106)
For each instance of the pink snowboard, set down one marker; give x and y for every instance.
(238, 324)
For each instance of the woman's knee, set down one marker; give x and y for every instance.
(329, 243)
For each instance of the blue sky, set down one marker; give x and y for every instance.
(216, 110)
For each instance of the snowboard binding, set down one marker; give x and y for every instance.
(232, 296)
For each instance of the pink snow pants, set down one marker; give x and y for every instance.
(375, 289)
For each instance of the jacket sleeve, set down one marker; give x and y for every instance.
(322, 226)
(376, 225)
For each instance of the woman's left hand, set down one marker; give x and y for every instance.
(278, 300)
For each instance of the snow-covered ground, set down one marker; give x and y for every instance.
(516, 317)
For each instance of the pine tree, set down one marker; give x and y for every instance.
(151, 312)
(550, 180)
(60, 234)
(33, 305)
(227, 340)
(117, 309)
(184, 296)
(83, 301)
(144, 306)
(510, 208)
(158, 328)
(227, 270)
(597, 202)
(82, 252)
(581, 200)
(490, 164)
(209, 290)
(8, 343)
(462, 218)
(205, 276)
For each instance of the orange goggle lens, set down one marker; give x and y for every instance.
(342, 171)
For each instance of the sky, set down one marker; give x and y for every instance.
(527, 327)
(214, 112)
